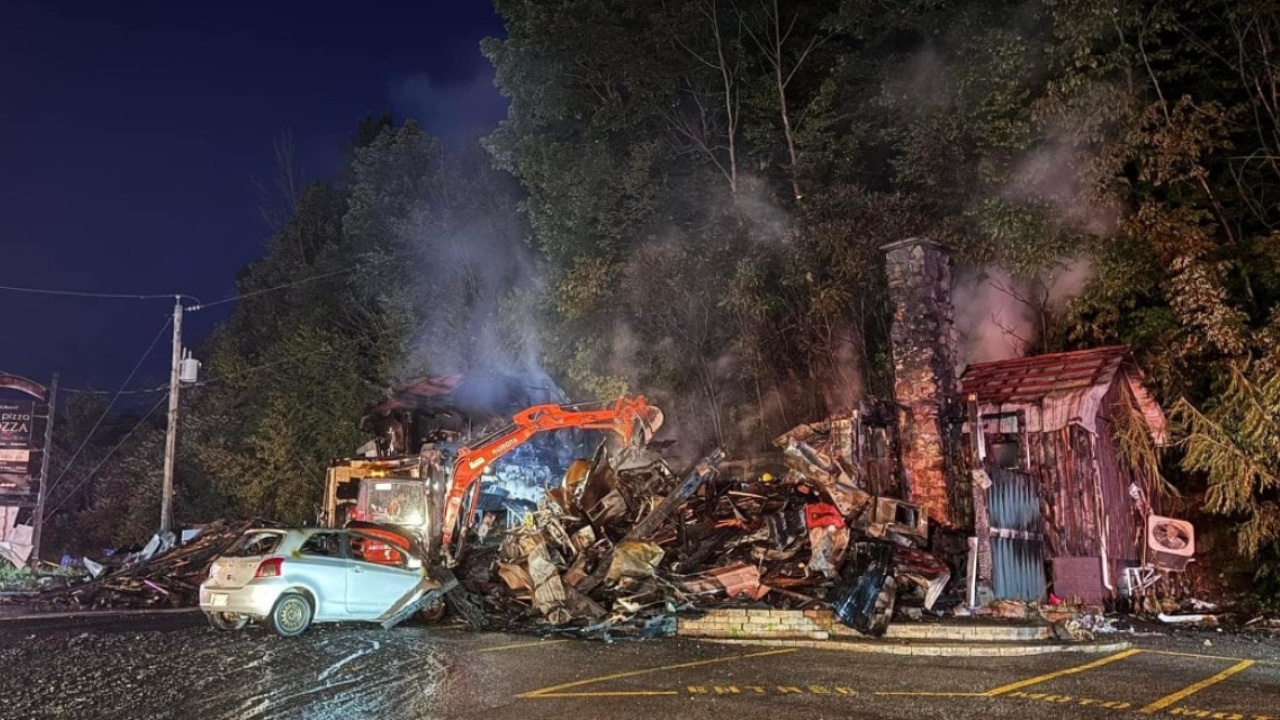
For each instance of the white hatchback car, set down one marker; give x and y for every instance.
(291, 578)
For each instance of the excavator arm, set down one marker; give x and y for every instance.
(626, 418)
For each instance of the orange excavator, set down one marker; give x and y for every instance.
(435, 494)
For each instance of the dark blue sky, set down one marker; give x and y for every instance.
(132, 136)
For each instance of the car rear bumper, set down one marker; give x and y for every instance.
(255, 599)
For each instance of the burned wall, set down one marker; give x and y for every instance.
(924, 353)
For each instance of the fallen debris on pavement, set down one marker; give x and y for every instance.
(159, 575)
(624, 546)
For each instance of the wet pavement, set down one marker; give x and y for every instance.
(174, 666)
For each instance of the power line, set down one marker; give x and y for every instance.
(71, 493)
(164, 296)
(88, 294)
(106, 410)
(304, 281)
(247, 371)
(91, 391)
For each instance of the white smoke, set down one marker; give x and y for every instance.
(1052, 174)
(453, 112)
(925, 81)
(998, 315)
(767, 221)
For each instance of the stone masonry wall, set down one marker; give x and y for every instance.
(765, 623)
(919, 277)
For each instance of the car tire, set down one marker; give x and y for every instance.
(227, 621)
(434, 612)
(291, 615)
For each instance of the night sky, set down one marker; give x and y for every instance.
(131, 139)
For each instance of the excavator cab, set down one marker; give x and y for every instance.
(393, 501)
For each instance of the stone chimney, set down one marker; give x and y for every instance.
(924, 353)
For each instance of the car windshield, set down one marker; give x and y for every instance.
(396, 502)
(255, 543)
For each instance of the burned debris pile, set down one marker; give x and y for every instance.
(160, 575)
(625, 544)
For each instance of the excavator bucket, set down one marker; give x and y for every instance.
(650, 422)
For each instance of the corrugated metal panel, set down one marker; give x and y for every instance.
(1017, 543)
(1017, 571)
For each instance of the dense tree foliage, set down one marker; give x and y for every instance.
(710, 182)
(702, 191)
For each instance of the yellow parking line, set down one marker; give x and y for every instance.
(935, 695)
(1059, 673)
(540, 643)
(1168, 700)
(619, 693)
(1206, 656)
(557, 690)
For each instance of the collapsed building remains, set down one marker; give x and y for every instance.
(625, 543)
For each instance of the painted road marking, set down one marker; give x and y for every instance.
(1194, 688)
(1059, 673)
(1120, 706)
(514, 646)
(932, 695)
(770, 690)
(1211, 657)
(557, 690)
(1070, 699)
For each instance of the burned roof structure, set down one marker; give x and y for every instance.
(439, 407)
(1051, 479)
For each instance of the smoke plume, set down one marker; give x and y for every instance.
(998, 316)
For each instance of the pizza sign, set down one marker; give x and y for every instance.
(15, 424)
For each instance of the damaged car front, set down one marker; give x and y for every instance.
(288, 579)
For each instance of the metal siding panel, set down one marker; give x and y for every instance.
(1017, 562)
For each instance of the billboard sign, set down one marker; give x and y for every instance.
(16, 420)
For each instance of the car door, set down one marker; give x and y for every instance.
(379, 576)
(322, 565)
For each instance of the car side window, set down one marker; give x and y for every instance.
(378, 552)
(322, 545)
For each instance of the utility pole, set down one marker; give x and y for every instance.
(171, 433)
(37, 531)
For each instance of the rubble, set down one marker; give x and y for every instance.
(159, 575)
(625, 544)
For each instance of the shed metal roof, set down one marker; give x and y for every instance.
(1066, 387)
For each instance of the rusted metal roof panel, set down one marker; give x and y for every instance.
(1062, 388)
(1027, 380)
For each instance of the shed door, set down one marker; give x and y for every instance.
(1017, 537)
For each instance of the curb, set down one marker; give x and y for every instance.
(932, 650)
(96, 614)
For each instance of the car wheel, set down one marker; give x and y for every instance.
(432, 613)
(291, 616)
(227, 621)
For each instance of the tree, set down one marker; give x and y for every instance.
(1236, 444)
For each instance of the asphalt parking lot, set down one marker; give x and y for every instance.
(173, 666)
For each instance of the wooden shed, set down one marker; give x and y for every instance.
(1052, 483)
